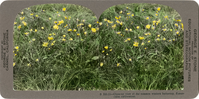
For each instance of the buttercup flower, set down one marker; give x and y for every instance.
(101, 64)
(45, 44)
(106, 47)
(56, 27)
(148, 26)
(135, 44)
(50, 38)
(141, 38)
(71, 39)
(158, 8)
(93, 30)
(63, 9)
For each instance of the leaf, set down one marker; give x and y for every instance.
(45, 57)
(95, 58)
(139, 57)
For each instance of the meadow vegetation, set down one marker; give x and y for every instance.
(66, 47)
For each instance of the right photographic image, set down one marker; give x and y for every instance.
(142, 47)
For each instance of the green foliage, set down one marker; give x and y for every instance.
(58, 49)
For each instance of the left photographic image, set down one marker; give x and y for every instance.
(55, 47)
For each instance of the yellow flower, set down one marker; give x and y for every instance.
(69, 29)
(111, 49)
(103, 51)
(166, 17)
(74, 30)
(121, 23)
(154, 21)
(101, 64)
(126, 29)
(147, 18)
(89, 25)
(15, 23)
(35, 30)
(24, 23)
(33, 39)
(107, 54)
(63, 39)
(142, 43)
(138, 27)
(135, 44)
(17, 47)
(164, 29)
(178, 20)
(100, 23)
(177, 32)
(176, 24)
(105, 19)
(63, 9)
(21, 18)
(158, 35)
(113, 26)
(36, 15)
(145, 48)
(130, 59)
(141, 38)
(149, 41)
(148, 26)
(182, 25)
(15, 54)
(71, 39)
(93, 30)
(173, 39)
(52, 44)
(130, 29)
(120, 12)
(156, 14)
(42, 27)
(158, 39)
(45, 44)
(158, 8)
(56, 27)
(132, 15)
(13, 64)
(117, 17)
(28, 64)
(26, 33)
(106, 47)
(118, 32)
(164, 38)
(171, 30)
(37, 60)
(50, 38)
(128, 13)
(85, 33)
(30, 30)
(19, 27)
(64, 35)
(118, 64)
(49, 18)
(128, 39)
(78, 34)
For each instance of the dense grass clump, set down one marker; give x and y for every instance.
(130, 47)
